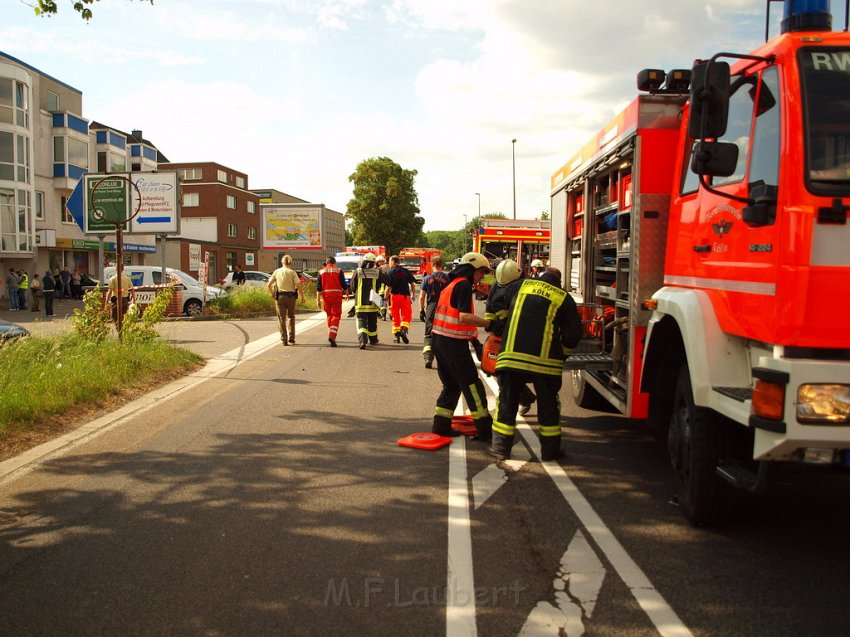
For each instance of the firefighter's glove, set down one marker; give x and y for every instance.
(497, 326)
(479, 349)
(422, 316)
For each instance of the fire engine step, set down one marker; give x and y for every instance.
(589, 361)
(741, 394)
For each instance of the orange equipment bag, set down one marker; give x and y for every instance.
(490, 354)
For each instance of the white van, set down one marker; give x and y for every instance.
(147, 275)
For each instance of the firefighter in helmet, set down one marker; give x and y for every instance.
(508, 279)
(542, 328)
(455, 326)
(536, 269)
(364, 283)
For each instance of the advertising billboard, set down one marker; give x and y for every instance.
(292, 226)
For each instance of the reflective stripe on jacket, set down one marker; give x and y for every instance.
(532, 340)
(329, 278)
(447, 318)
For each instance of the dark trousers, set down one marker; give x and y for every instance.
(427, 350)
(48, 302)
(459, 375)
(367, 326)
(22, 298)
(548, 410)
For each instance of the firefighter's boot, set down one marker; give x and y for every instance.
(403, 335)
(443, 427)
(484, 427)
(550, 448)
(363, 340)
(500, 447)
(429, 360)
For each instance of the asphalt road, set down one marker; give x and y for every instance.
(272, 499)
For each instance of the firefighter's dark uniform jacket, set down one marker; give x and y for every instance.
(455, 367)
(363, 282)
(542, 327)
(499, 304)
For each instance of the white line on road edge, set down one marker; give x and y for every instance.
(460, 580)
(24, 463)
(650, 600)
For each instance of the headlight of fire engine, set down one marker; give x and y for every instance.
(823, 403)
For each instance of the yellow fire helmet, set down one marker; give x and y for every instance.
(507, 272)
(369, 257)
(537, 263)
(475, 259)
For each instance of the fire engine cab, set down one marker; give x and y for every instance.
(705, 231)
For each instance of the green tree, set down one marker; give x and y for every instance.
(49, 7)
(385, 207)
(544, 215)
(452, 243)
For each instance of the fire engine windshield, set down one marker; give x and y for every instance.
(411, 262)
(825, 75)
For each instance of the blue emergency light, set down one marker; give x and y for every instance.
(806, 15)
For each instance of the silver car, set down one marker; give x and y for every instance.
(252, 277)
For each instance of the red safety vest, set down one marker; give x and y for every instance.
(330, 280)
(447, 318)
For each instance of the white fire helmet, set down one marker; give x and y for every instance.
(507, 272)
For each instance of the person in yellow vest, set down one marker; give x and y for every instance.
(23, 289)
(455, 326)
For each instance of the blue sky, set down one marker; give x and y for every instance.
(297, 92)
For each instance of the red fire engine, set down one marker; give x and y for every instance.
(418, 260)
(705, 228)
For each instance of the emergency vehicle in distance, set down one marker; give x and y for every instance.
(706, 228)
(418, 260)
(349, 260)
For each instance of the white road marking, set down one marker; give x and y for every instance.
(663, 617)
(485, 483)
(460, 580)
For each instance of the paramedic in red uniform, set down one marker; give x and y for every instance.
(455, 325)
(330, 285)
(402, 286)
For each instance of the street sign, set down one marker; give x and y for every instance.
(158, 213)
(105, 202)
(74, 204)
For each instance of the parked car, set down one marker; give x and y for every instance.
(148, 275)
(304, 277)
(9, 331)
(89, 282)
(252, 277)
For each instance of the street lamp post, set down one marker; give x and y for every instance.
(465, 232)
(478, 218)
(513, 170)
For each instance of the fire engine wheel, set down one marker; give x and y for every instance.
(583, 394)
(193, 307)
(695, 441)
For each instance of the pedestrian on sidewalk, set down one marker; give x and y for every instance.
(76, 285)
(65, 281)
(12, 289)
(285, 287)
(429, 293)
(23, 289)
(36, 291)
(330, 286)
(401, 288)
(48, 285)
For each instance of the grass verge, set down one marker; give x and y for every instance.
(45, 379)
(250, 301)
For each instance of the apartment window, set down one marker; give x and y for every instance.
(191, 199)
(101, 161)
(78, 151)
(252, 233)
(39, 205)
(251, 207)
(7, 156)
(230, 257)
(222, 176)
(231, 229)
(231, 202)
(240, 182)
(51, 101)
(117, 163)
(59, 149)
(64, 215)
(190, 174)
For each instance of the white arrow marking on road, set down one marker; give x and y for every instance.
(577, 586)
(486, 482)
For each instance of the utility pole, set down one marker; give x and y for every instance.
(513, 170)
